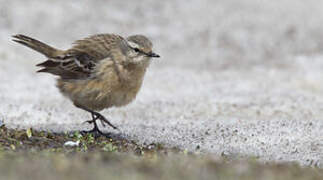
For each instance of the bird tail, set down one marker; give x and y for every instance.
(36, 45)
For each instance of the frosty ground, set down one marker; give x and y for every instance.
(235, 78)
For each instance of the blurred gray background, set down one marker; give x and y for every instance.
(236, 78)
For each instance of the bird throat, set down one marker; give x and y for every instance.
(140, 61)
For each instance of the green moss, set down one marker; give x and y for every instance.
(43, 154)
(35, 141)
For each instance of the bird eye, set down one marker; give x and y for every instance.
(136, 49)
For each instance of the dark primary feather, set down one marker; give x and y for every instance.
(79, 62)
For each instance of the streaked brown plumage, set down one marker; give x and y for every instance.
(98, 72)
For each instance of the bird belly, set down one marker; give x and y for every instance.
(123, 97)
(96, 95)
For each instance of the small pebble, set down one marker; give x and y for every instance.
(72, 143)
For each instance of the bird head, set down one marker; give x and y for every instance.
(140, 49)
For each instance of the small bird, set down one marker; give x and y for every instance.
(98, 72)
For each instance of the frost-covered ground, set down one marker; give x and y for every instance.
(237, 78)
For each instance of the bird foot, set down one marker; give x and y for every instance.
(95, 131)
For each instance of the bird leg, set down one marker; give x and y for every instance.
(97, 116)
(95, 128)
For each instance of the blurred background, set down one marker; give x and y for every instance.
(235, 77)
(218, 34)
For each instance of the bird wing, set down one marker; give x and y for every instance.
(80, 61)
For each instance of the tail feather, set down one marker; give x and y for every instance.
(36, 45)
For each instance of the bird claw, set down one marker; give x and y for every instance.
(96, 132)
(88, 121)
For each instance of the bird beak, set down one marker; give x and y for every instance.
(152, 54)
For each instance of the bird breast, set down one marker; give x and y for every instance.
(130, 80)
